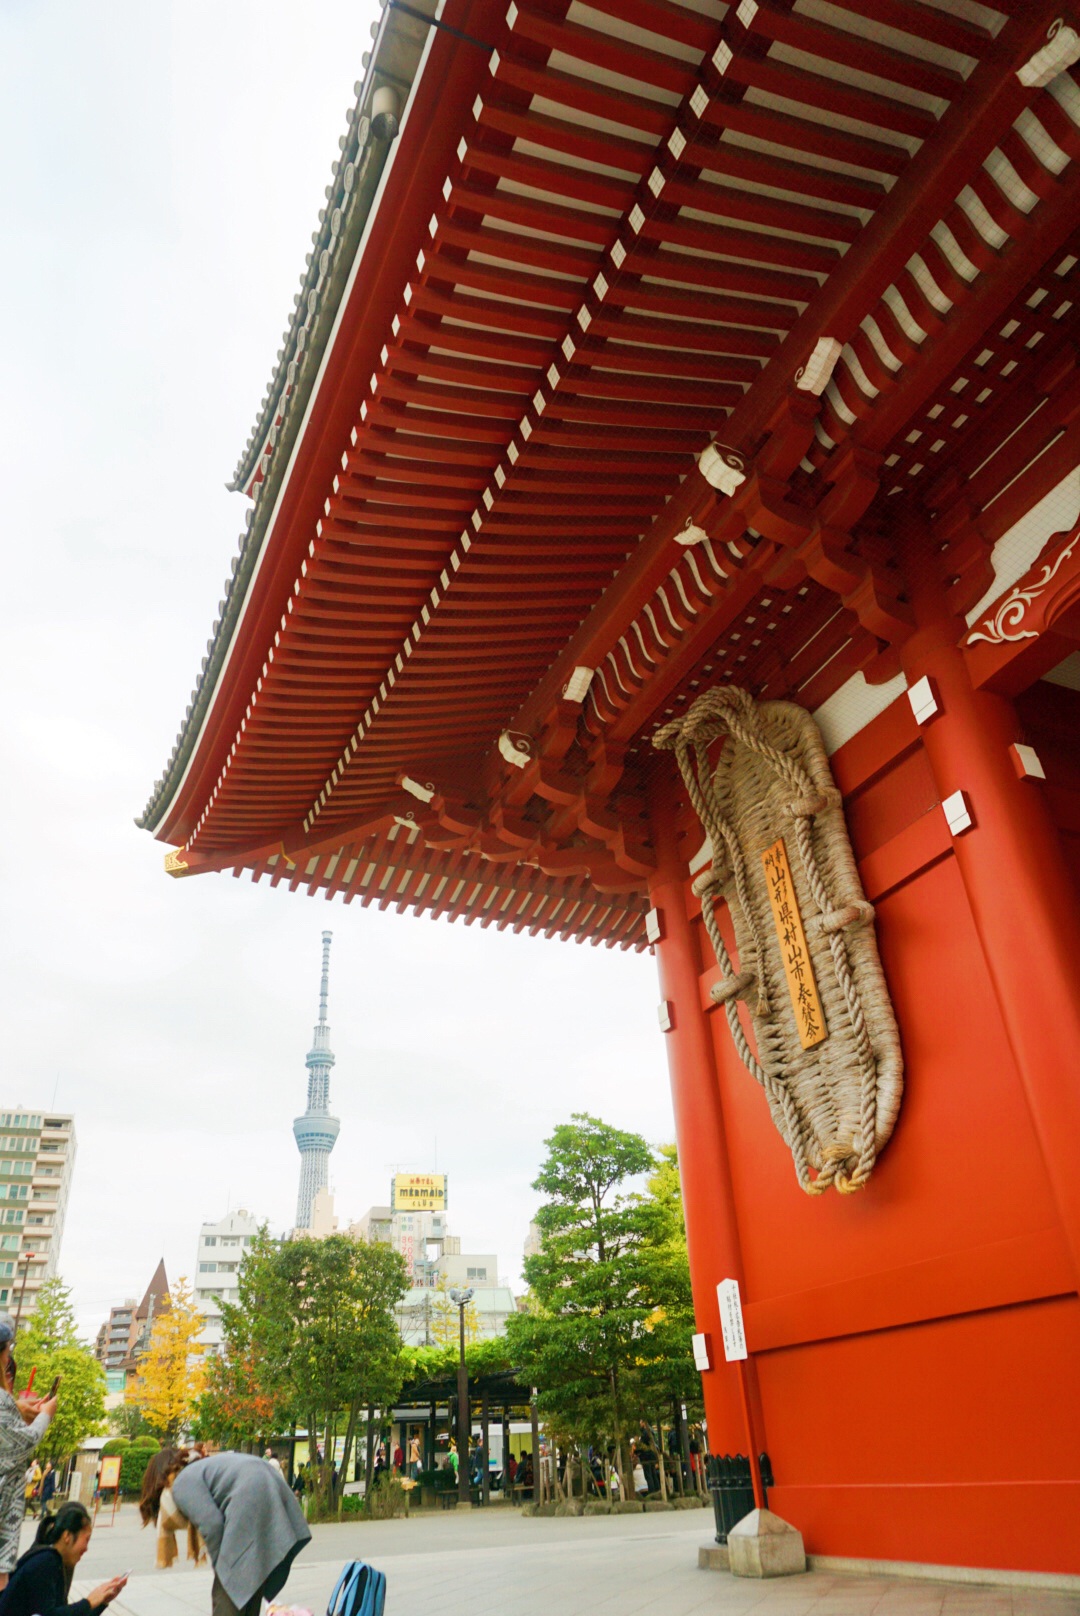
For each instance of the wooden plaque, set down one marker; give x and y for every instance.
(798, 967)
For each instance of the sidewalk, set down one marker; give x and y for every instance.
(493, 1563)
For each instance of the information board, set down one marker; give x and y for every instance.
(731, 1320)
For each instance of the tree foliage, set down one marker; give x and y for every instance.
(49, 1342)
(312, 1338)
(171, 1371)
(606, 1337)
(444, 1318)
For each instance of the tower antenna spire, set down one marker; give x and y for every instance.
(324, 987)
(316, 1131)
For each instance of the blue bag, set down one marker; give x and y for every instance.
(360, 1591)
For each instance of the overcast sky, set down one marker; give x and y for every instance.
(161, 169)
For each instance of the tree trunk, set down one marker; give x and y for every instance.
(350, 1437)
(661, 1457)
(370, 1462)
(617, 1433)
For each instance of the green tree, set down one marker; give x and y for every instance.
(311, 1338)
(582, 1340)
(50, 1343)
(666, 1372)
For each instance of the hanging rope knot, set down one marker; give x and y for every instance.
(859, 913)
(813, 802)
(705, 884)
(732, 987)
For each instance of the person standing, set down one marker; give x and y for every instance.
(251, 1524)
(48, 1486)
(23, 1423)
(414, 1457)
(31, 1483)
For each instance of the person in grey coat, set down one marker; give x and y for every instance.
(251, 1524)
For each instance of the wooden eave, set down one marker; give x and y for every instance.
(561, 305)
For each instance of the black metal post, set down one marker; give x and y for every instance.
(26, 1259)
(537, 1490)
(463, 1422)
(485, 1478)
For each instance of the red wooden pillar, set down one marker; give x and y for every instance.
(712, 1233)
(1022, 897)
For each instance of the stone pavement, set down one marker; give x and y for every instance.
(494, 1563)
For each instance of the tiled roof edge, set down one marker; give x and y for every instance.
(356, 173)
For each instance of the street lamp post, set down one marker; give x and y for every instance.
(462, 1300)
(27, 1258)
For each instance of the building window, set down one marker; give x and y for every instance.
(209, 1239)
(7, 1269)
(208, 1268)
(476, 1273)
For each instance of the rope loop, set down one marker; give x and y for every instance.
(845, 919)
(733, 987)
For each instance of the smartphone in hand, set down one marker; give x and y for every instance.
(53, 1388)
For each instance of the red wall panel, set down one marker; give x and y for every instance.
(916, 1344)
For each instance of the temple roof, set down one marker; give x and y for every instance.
(828, 246)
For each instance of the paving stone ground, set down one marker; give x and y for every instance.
(495, 1563)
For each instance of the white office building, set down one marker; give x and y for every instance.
(37, 1159)
(436, 1263)
(217, 1268)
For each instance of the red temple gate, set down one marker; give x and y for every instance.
(565, 250)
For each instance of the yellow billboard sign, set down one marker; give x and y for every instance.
(419, 1192)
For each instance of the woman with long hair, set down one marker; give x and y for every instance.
(41, 1582)
(251, 1524)
(156, 1504)
(23, 1422)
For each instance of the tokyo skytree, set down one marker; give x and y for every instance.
(316, 1131)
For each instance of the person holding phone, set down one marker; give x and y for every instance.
(23, 1422)
(41, 1582)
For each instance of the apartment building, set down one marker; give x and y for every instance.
(37, 1159)
(217, 1268)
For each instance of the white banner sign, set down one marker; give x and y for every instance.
(731, 1320)
(701, 1352)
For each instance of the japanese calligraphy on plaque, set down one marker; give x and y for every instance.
(798, 967)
